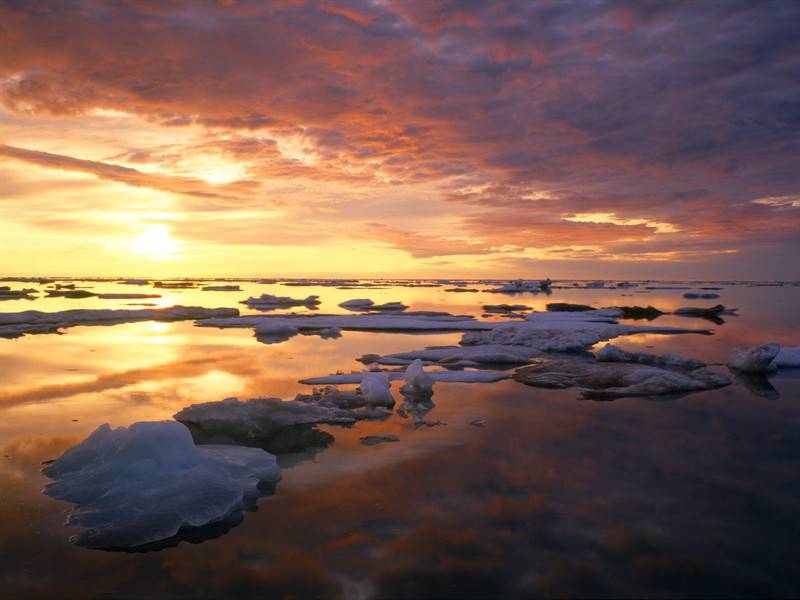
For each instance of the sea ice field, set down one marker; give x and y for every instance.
(360, 438)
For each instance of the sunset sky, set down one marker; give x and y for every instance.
(574, 138)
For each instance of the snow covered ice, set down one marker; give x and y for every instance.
(136, 485)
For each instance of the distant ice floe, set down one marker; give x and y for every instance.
(148, 482)
(270, 302)
(17, 324)
(222, 288)
(6, 293)
(520, 286)
(127, 296)
(365, 304)
(174, 285)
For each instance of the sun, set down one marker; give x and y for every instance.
(156, 242)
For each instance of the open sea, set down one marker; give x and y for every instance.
(549, 495)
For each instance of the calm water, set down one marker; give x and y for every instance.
(555, 496)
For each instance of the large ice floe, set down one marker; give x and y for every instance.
(545, 331)
(564, 331)
(270, 423)
(149, 482)
(286, 425)
(17, 324)
(270, 302)
(409, 321)
(609, 380)
(436, 376)
(612, 353)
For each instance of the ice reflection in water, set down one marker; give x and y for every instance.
(553, 496)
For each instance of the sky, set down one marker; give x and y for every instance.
(461, 138)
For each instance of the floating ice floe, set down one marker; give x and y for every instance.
(70, 293)
(599, 380)
(357, 304)
(564, 331)
(713, 313)
(416, 321)
(568, 307)
(364, 304)
(270, 302)
(788, 358)
(612, 353)
(696, 296)
(134, 281)
(148, 482)
(504, 308)
(6, 293)
(374, 440)
(518, 286)
(759, 359)
(222, 288)
(174, 285)
(270, 423)
(437, 376)
(127, 296)
(33, 321)
(455, 356)
(274, 333)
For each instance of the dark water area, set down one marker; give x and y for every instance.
(520, 493)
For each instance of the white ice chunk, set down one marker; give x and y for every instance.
(375, 388)
(417, 380)
(144, 483)
(756, 360)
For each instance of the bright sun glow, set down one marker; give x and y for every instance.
(156, 242)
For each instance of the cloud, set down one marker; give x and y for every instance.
(681, 114)
(186, 186)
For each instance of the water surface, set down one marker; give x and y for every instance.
(554, 496)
